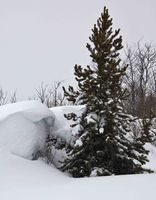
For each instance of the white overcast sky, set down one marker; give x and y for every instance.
(41, 40)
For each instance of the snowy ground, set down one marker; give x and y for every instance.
(22, 179)
(23, 129)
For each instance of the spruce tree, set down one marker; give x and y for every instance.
(103, 145)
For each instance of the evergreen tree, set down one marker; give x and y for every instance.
(102, 146)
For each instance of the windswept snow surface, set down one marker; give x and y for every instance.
(24, 127)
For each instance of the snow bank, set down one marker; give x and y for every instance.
(24, 127)
(62, 126)
(23, 130)
(33, 110)
(62, 130)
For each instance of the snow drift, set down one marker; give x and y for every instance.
(24, 127)
(62, 131)
(62, 126)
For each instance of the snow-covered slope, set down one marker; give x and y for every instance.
(24, 127)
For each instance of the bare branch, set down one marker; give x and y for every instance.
(141, 76)
(3, 97)
(51, 96)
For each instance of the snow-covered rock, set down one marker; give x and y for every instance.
(24, 127)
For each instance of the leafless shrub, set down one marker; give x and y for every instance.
(13, 97)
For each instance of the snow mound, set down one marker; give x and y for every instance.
(24, 127)
(62, 130)
(62, 126)
(33, 110)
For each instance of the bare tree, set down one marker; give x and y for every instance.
(3, 97)
(51, 96)
(130, 79)
(13, 97)
(57, 95)
(141, 77)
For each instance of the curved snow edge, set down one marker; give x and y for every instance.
(24, 127)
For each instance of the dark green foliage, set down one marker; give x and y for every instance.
(102, 146)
